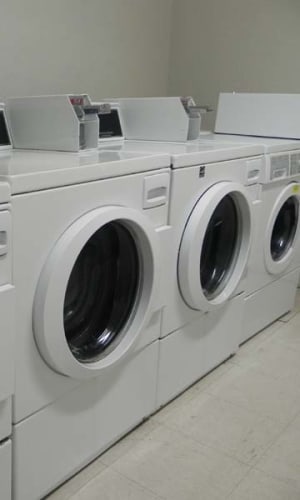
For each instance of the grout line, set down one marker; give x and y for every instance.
(222, 450)
(237, 485)
(255, 465)
(277, 438)
(134, 481)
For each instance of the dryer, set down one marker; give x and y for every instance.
(88, 232)
(214, 191)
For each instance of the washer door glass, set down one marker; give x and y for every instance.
(101, 291)
(96, 291)
(215, 246)
(284, 228)
(4, 137)
(219, 247)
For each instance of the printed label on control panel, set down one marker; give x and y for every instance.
(202, 171)
(295, 164)
(279, 167)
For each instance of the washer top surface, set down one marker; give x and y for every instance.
(191, 153)
(270, 145)
(28, 171)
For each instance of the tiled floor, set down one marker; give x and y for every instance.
(234, 435)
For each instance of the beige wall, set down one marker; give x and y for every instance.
(241, 45)
(122, 47)
(103, 47)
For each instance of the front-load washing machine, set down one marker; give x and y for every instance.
(5, 470)
(214, 190)
(7, 321)
(265, 115)
(274, 262)
(87, 271)
(6, 341)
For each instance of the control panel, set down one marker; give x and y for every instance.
(295, 164)
(279, 167)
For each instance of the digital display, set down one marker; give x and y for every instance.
(109, 125)
(4, 137)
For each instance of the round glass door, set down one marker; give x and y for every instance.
(215, 246)
(95, 292)
(284, 228)
(101, 291)
(281, 233)
(219, 247)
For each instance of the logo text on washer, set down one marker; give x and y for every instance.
(202, 171)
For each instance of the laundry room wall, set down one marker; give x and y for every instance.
(234, 45)
(103, 47)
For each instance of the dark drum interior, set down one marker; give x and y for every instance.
(101, 291)
(219, 246)
(4, 137)
(284, 228)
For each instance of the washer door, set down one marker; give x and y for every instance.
(282, 230)
(215, 246)
(94, 294)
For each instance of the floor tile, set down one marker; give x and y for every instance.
(260, 486)
(274, 358)
(113, 486)
(255, 342)
(250, 388)
(240, 432)
(125, 444)
(211, 378)
(288, 316)
(282, 459)
(68, 489)
(194, 390)
(289, 335)
(296, 319)
(177, 468)
(179, 405)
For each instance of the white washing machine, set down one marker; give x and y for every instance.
(5, 470)
(7, 322)
(6, 341)
(275, 257)
(214, 192)
(274, 262)
(88, 232)
(265, 115)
